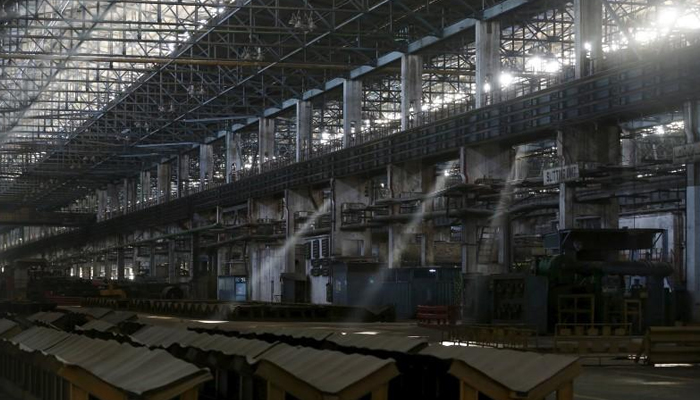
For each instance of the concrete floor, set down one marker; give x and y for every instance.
(638, 383)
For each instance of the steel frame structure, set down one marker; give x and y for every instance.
(119, 103)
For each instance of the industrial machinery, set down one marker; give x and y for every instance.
(36, 280)
(606, 276)
(587, 276)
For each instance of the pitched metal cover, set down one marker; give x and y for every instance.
(97, 325)
(136, 370)
(378, 342)
(295, 333)
(94, 312)
(518, 371)
(46, 317)
(40, 339)
(230, 346)
(6, 325)
(326, 371)
(155, 336)
(118, 317)
(158, 336)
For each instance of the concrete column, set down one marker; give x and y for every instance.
(145, 180)
(411, 89)
(408, 180)
(183, 173)
(113, 194)
(352, 109)
(101, 203)
(491, 162)
(590, 148)
(266, 141)
(206, 164)
(629, 150)
(234, 156)
(173, 273)
(692, 203)
(488, 60)
(349, 243)
(304, 130)
(130, 193)
(163, 182)
(120, 263)
(588, 29)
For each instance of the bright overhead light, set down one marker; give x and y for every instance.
(487, 87)
(688, 21)
(506, 79)
(668, 16)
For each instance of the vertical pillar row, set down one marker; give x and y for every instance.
(266, 141)
(488, 60)
(234, 156)
(304, 130)
(163, 172)
(206, 164)
(352, 110)
(588, 31)
(411, 89)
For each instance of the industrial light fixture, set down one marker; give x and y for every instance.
(252, 54)
(302, 22)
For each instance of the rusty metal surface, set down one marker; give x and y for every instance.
(39, 338)
(327, 371)
(378, 342)
(6, 325)
(97, 325)
(132, 369)
(517, 371)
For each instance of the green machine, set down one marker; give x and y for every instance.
(606, 276)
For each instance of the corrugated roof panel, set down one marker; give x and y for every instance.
(296, 333)
(97, 325)
(328, 371)
(518, 371)
(378, 342)
(37, 338)
(158, 336)
(94, 312)
(118, 317)
(6, 325)
(230, 346)
(132, 369)
(46, 317)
